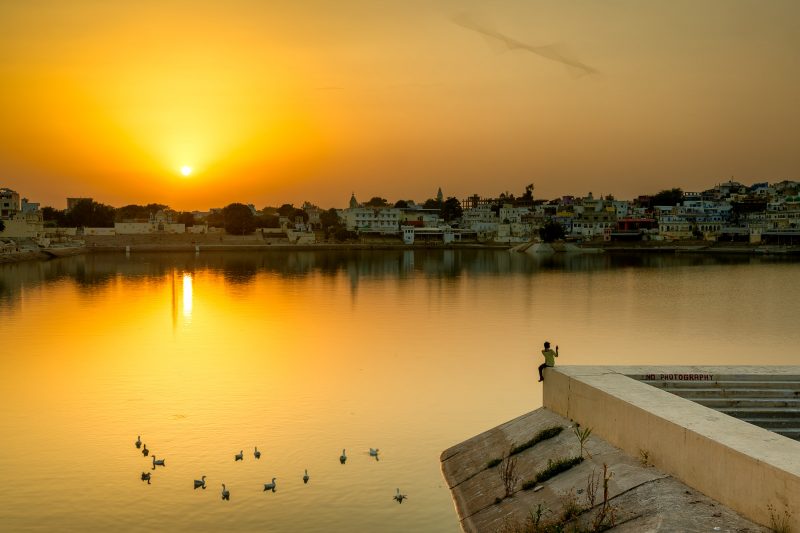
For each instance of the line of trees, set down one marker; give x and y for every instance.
(84, 213)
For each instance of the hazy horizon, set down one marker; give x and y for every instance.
(296, 101)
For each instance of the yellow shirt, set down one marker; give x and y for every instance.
(549, 357)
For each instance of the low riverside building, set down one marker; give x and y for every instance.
(675, 448)
(631, 229)
(674, 227)
(159, 222)
(438, 235)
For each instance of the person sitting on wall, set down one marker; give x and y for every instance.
(549, 358)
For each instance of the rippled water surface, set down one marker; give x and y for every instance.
(303, 354)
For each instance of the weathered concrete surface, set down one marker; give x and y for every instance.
(743, 466)
(645, 498)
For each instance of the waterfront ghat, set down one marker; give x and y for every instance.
(665, 436)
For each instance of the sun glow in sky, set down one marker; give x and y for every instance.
(186, 170)
(291, 101)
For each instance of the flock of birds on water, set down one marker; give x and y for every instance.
(226, 494)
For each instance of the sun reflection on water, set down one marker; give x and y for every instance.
(187, 295)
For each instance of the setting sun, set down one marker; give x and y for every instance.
(186, 170)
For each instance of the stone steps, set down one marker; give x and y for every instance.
(716, 403)
(734, 393)
(793, 433)
(727, 384)
(760, 412)
(774, 423)
(769, 402)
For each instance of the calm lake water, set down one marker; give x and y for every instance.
(303, 354)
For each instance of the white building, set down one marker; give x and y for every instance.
(482, 220)
(674, 227)
(383, 220)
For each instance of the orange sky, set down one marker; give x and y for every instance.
(286, 101)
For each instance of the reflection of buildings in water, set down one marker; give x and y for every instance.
(91, 271)
(408, 260)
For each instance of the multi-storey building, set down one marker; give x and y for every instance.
(9, 203)
(592, 216)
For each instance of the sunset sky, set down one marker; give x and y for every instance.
(284, 101)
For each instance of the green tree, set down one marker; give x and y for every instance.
(186, 218)
(88, 213)
(329, 219)
(266, 220)
(451, 210)
(129, 212)
(155, 208)
(286, 210)
(298, 213)
(239, 220)
(551, 231)
(527, 197)
(216, 219)
(54, 217)
(138, 212)
(377, 201)
(342, 234)
(430, 203)
(667, 197)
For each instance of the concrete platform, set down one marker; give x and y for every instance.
(717, 451)
(644, 497)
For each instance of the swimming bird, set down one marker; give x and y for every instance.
(200, 483)
(343, 458)
(159, 462)
(400, 497)
(145, 451)
(373, 452)
(305, 477)
(226, 494)
(146, 477)
(138, 442)
(270, 486)
(256, 453)
(239, 456)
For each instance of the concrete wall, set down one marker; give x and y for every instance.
(22, 227)
(301, 237)
(140, 228)
(99, 231)
(743, 466)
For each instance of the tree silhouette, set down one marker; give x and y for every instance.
(239, 220)
(551, 231)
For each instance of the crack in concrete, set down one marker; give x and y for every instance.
(586, 510)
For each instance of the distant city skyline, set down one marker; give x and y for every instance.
(287, 102)
(688, 195)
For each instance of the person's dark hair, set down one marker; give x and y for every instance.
(546, 345)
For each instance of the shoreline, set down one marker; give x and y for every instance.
(686, 248)
(44, 254)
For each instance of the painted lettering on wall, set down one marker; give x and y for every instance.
(679, 377)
